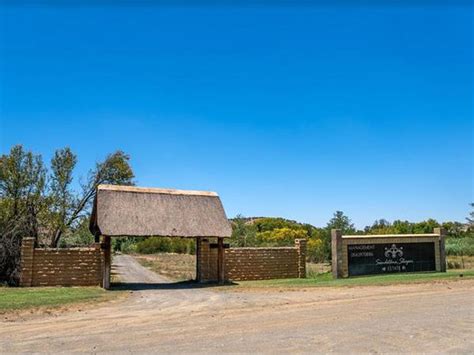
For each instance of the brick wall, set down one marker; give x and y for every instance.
(253, 263)
(60, 267)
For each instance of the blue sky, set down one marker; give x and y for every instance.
(285, 111)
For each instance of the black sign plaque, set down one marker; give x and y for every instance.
(367, 259)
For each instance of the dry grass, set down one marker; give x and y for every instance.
(313, 269)
(181, 267)
(176, 267)
(461, 262)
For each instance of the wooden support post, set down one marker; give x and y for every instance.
(220, 261)
(107, 262)
(198, 260)
(442, 252)
(336, 251)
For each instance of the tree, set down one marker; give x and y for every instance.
(63, 201)
(453, 228)
(33, 203)
(114, 170)
(470, 219)
(243, 234)
(380, 226)
(342, 222)
(281, 236)
(270, 223)
(22, 183)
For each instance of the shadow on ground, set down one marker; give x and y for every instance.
(179, 285)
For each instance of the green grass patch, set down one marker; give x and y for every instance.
(13, 298)
(326, 280)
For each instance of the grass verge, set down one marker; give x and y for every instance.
(326, 280)
(13, 298)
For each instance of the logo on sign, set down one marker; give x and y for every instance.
(394, 260)
(394, 252)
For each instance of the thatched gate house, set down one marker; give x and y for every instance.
(121, 211)
(143, 212)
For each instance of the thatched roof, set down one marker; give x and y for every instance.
(138, 211)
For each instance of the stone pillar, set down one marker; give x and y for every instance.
(442, 251)
(336, 253)
(300, 245)
(26, 261)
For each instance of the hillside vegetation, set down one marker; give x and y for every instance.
(271, 232)
(266, 231)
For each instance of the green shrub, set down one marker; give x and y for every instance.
(460, 245)
(128, 245)
(166, 245)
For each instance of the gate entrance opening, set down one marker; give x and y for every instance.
(129, 211)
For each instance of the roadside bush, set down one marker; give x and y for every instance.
(460, 245)
(166, 245)
(126, 245)
(315, 251)
(153, 245)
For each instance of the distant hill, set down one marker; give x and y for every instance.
(252, 220)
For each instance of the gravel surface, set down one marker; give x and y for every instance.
(159, 316)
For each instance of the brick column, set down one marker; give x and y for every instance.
(336, 253)
(300, 245)
(203, 259)
(26, 261)
(442, 252)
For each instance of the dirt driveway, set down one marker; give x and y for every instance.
(158, 317)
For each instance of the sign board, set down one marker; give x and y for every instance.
(367, 259)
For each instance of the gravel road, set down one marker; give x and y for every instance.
(163, 317)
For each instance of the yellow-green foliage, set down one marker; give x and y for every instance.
(281, 236)
(316, 251)
(261, 232)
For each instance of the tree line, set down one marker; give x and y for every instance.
(267, 231)
(47, 202)
(40, 201)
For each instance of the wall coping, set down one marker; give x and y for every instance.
(368, 236)
(262, 248)
(68, 249)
